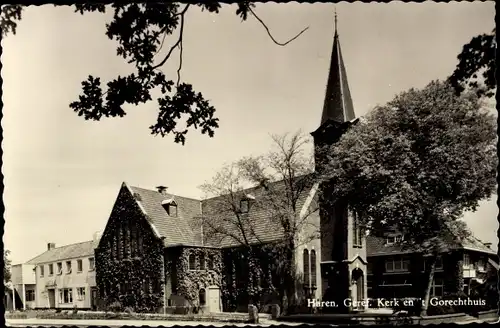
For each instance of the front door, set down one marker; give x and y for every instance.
(93, 298)
(214, 299)
(52, 298)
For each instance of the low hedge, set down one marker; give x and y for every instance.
(16, 315)
(229, 318)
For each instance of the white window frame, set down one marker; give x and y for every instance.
(69, 294)
(467, 261)
(91, 263)
(393, 239)
(59, 268)
(51, 266)
(434, 285)
(30, 292)
(80, 293)
(401, 260)
(69, 267)
(42, 270)
(79, 266)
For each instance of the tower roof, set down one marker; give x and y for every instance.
(338, 105)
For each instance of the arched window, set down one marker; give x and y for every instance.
(313, 268)
(202, 261)
(306, 267)
(202, 297)
(210, 262)
(192, 262)
(356, 231)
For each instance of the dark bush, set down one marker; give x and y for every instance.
(75, 309)
(115, 307)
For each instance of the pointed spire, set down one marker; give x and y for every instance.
(338, 102)
(335, 21)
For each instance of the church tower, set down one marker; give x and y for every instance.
(343, 246)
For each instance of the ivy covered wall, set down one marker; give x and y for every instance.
(249, 279)
(191, 269)
(129, 259)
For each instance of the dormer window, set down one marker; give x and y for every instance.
(245, 203)
(244, 206)
(170, 206)
(391, 240)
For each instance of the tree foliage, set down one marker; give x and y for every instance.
(416, 164)
(476, 66)
(280, 181)
(140, 29)
(6, 267)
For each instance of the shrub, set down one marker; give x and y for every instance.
(115, 307)
(75, 309)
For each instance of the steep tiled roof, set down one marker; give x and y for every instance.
(376, 246)
(184, 229)
(72, 251)
(258, 217)
(176, 230)
(338, 102)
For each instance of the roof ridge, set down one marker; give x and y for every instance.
(58, 248)
(175, 195)
(258, 186)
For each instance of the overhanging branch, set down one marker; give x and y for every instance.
(269, 32)
(178, 42)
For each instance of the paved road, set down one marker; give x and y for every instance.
(121, 323)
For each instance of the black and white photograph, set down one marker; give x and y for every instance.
(247, 163)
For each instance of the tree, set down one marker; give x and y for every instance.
(416, 164)
(141, 30)
(280, 180)
(478, 57)
(6, 268)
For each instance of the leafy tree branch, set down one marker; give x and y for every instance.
(141, 30)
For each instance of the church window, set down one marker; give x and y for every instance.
(202, 297)
(306, 268)
(210, 262)
(202, 261)
(192, 262)
(356, 233)
(313, 268)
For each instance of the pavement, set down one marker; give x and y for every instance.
(120, 323)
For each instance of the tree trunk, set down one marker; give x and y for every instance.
(425, 304)
(290, 288)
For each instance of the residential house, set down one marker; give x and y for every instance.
(23, 281)
(65, 276)
(153, 253)
(397, 272)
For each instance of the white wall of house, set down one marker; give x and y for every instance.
(23, 280)
(65, 283)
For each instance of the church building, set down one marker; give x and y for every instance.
(154, 254)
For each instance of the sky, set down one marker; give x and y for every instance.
(62, 174)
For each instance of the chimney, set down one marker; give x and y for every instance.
(162, 189)
(487, 245)
(51, 246)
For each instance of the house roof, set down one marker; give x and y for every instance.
(66, 252)
(377, 246)
(176, 230)
(184, 229)
(262, 229)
